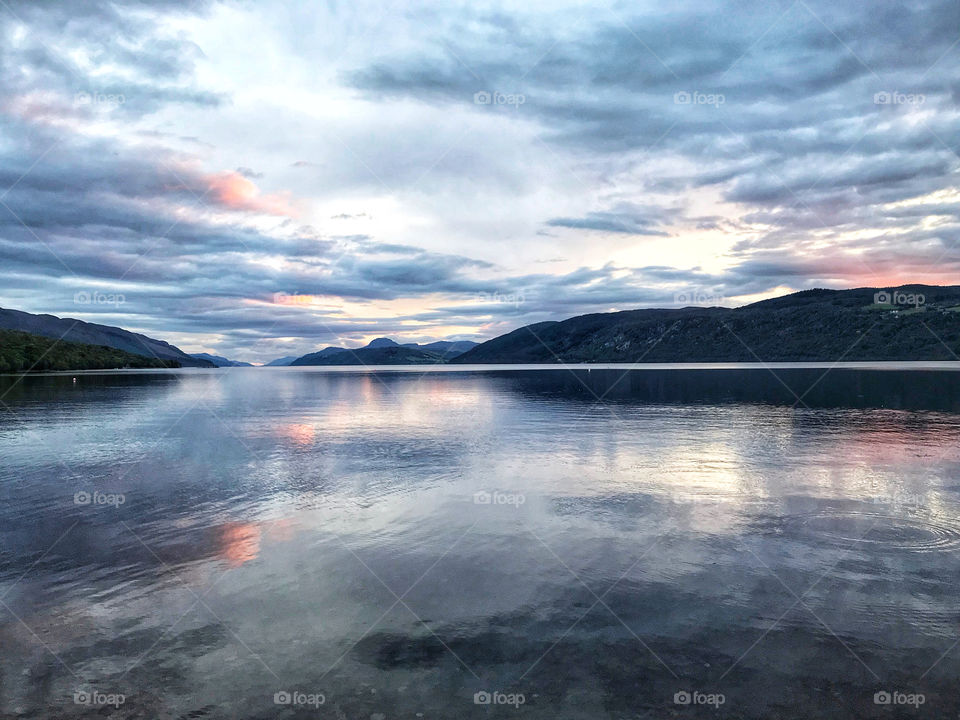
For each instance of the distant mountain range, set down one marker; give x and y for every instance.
(281, 362)
(911, 322)
(384, 351)
(93, 334)
(220, 361)
(141, 351)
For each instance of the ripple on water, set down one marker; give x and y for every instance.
(885, 532)
(902, 617)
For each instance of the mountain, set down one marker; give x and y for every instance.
(26, 352)
(93, 334)
(316, 358)
(384, 351)
(281, 362)
(383, 355)
(219, 360)
(447, 349)
(911, 322)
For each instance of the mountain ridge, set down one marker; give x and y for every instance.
(80, 331)
(384, 351)
(909, 322)
(281, 361)
(220, 361)
(22, 352)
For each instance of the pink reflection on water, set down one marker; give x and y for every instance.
(238, 543)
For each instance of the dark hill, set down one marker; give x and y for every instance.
(281, 362)
(384, 351)
(93, 334)
(447, 349)
(25, 352)
(383, 355)
(813, 325)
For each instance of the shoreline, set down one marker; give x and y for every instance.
(870, 365)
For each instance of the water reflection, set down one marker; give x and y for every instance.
(802, 387)
(239, 543)
(662, 541)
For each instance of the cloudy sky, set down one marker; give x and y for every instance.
(262, 179)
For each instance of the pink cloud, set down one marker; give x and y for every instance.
(236, 192)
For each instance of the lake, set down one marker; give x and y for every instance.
(576, 543)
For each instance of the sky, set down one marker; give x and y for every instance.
(262, 179)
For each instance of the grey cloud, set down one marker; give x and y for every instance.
(608, 222)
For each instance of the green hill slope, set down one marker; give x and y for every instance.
(79, 331)
(22, 352)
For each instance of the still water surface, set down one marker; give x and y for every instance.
(393, 543)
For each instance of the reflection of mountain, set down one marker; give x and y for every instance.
(96, 388)
(810, 387)
(384, 351)
(94, 334)
(916, 322)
